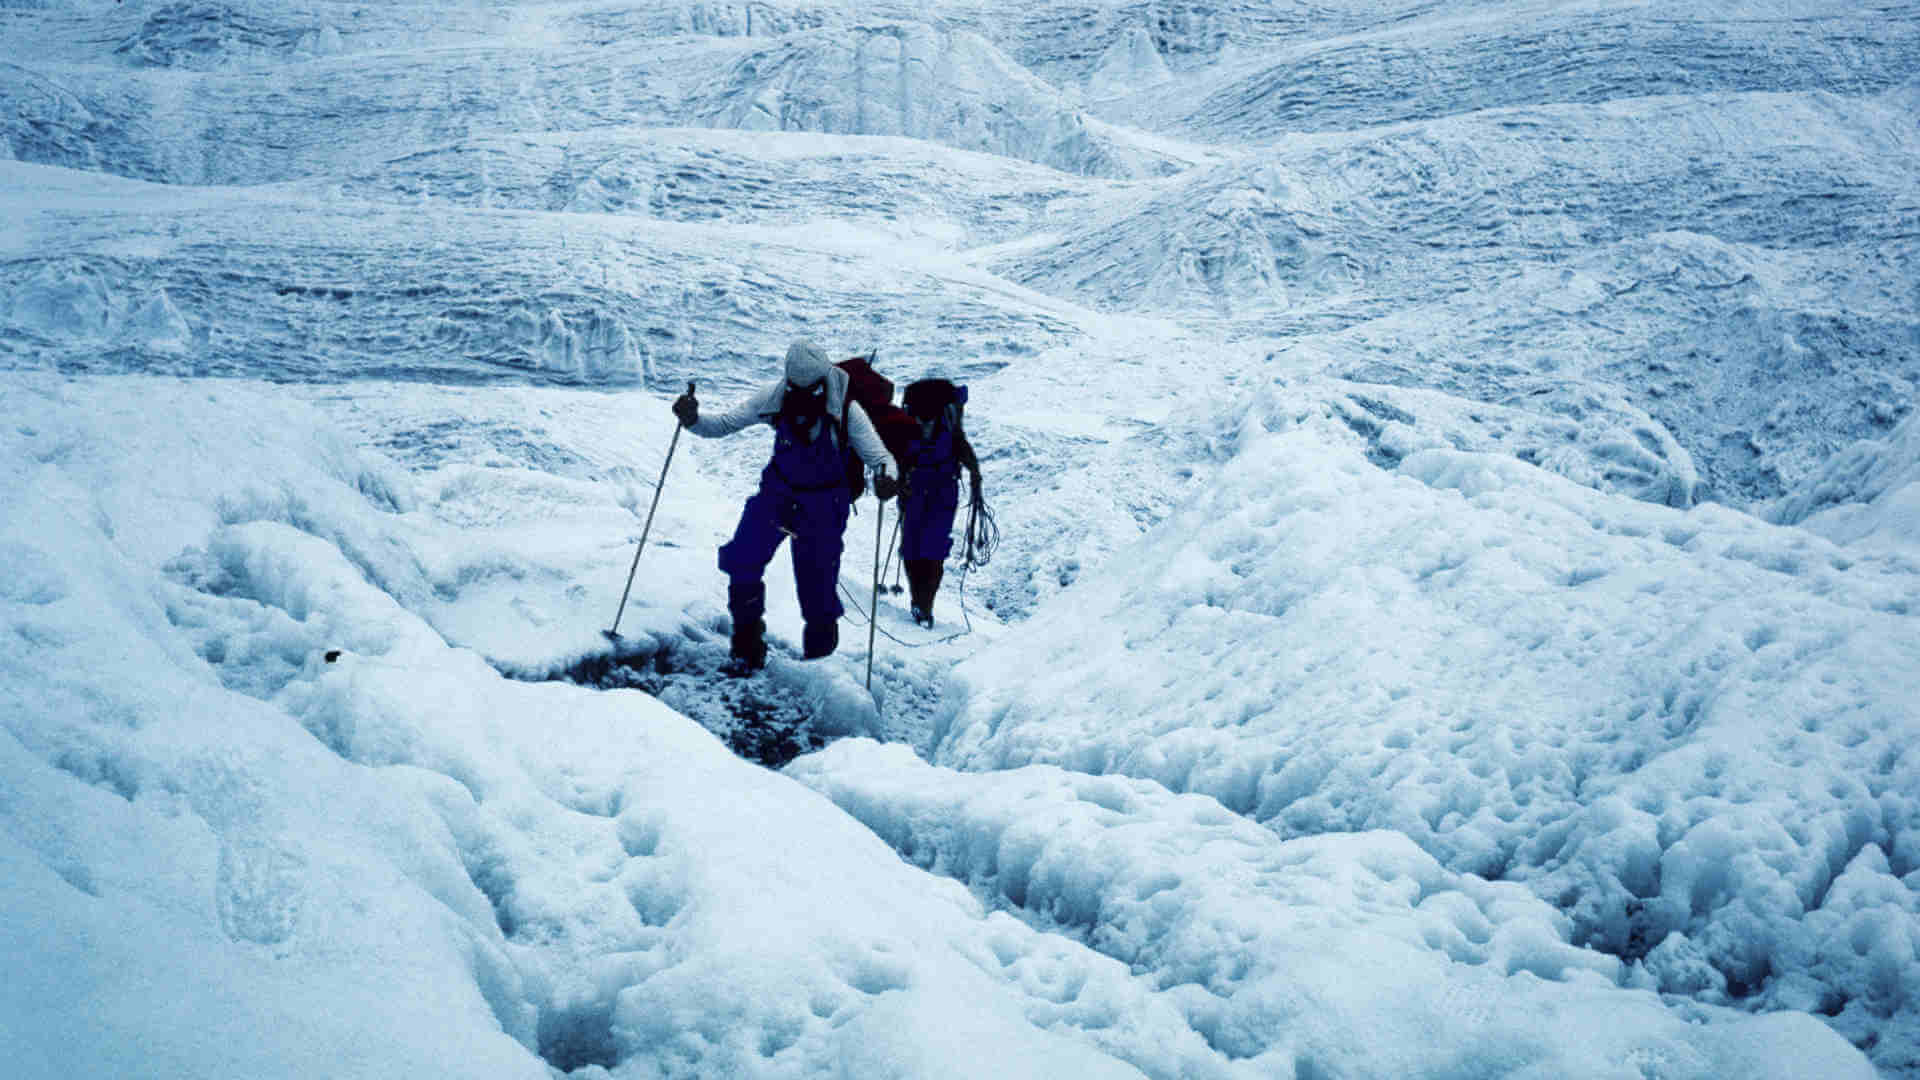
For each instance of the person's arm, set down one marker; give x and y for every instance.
(866, 442)
(963, 453)
(751, 410)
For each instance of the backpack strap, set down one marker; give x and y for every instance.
(856, 469)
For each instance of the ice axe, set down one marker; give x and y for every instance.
(613, 634)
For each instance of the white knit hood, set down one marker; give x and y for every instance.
(806, 364)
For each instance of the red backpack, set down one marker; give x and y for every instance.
(874, 392)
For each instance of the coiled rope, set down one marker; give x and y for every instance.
(981, 539)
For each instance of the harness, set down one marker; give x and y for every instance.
(833, 433)
(936, 450)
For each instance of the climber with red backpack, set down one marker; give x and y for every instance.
(932, 458)
(822, 437)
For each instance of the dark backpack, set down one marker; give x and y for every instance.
(874, 392)
(935, 399)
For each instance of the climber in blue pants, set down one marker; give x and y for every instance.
(820, 433)
(930, 487)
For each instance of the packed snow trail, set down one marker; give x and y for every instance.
(1387, 382)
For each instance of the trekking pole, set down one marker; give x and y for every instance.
(614, 634)
(873, 609)
(893, 548)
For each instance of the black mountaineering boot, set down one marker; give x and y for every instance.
(916, 582)
(920, 585)
(747, 603)
(819, 639)
(936, 569)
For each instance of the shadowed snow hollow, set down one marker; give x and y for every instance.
(1868, 492)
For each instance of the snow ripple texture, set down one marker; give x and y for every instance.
(1458, 471)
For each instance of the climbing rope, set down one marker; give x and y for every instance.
(982, 538)
(866, 619)
(983, 533)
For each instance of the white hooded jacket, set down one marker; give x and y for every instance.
(806, 364)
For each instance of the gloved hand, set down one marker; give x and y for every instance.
(885, 487)
(975, 492)
(687, 409)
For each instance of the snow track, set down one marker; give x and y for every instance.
(1457, 469)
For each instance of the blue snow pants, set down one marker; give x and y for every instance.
(803, 494)
(931, 499)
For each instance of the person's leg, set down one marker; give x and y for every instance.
(926, 539)
(817, 546)
(744, 560)
(926, 521)
(936, 570)
(941, 524)
(916, 585)
(908, 505)
(747, 604)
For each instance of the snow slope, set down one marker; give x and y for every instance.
(1348, 954)
(1689, 730)
(313, 856)
(1458, 484)
(540, 868)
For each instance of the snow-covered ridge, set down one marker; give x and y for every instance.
(1311, 218)
(733, 177)
(1759, 362)
(336, 114)
(325, 288)
(951, 87)
(1866, 492)
(1380, 673)
(1686, 730)
(200, 35)
(1455, 62)
(1542, 239)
